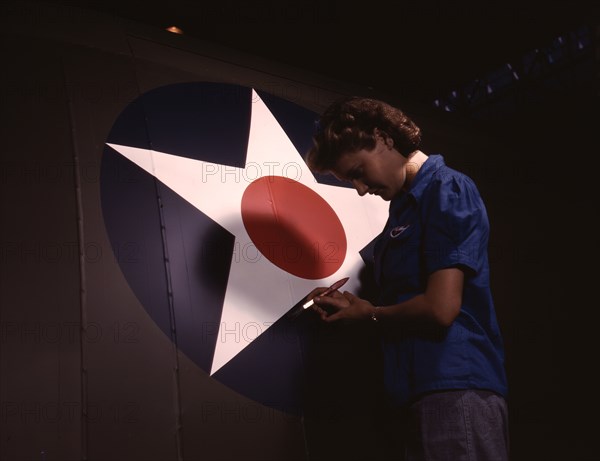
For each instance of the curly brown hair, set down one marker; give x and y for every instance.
(350, 124)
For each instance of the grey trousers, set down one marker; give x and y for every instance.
(461, 425)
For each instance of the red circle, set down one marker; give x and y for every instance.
(293, 227)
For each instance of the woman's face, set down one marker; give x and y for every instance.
(379, 171)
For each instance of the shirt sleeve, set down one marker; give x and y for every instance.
(455, 223)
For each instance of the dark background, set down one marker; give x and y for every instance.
(541, 189)
(415, 50)
(418, 50)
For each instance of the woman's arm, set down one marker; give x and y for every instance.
(439, 304)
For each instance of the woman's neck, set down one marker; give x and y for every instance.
(413, 163)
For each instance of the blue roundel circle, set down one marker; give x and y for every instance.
(174, 257)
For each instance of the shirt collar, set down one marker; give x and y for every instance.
(425, 175)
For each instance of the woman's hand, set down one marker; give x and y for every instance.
(346, 306)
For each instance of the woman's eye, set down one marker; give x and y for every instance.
(356, 174)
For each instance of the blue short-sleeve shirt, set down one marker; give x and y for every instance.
(440, 222)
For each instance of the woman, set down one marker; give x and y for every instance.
(443, 352)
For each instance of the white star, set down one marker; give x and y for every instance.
(258, 291)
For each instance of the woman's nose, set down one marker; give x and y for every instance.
(360, 187)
